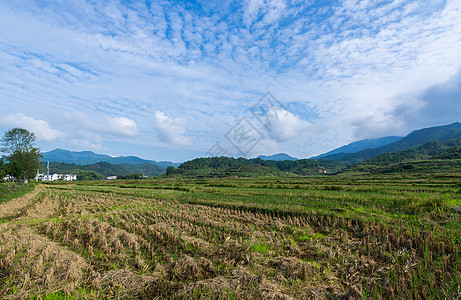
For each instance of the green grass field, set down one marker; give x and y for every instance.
(320, 237)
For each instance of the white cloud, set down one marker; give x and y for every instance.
(41, 128)
(121, 126)
(94, 127)
(170, 130)
(251, 11)
(271, 10)
(265, 147)
(285, 126)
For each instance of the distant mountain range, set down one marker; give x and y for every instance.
(429, 150)
(365, 149)
(277, 157)
(414, 139)
(361, 145)
(346, 155)
(89, 157)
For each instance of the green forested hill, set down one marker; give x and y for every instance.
(213, 165)
(429, 166)
(360, 146)
(414, 139)
(434, 156)
(453, 153)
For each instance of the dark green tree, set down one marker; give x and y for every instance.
(15, 169)
(170, 170)
(17, 139)
(88, 175)
(130, 176)
(2, 169)
(19, 145)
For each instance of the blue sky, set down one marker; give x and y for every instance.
(167, 80)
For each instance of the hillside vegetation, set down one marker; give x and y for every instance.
(225, 166)
(437, 157)
(432, 157)
(412, 140)
(360, 146)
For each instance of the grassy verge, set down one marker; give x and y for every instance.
(9, 190)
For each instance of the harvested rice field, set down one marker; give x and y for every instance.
(324, 237)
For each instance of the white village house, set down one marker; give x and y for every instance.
(8, 178)
(51, 177)
(55, 176)
(69, 177)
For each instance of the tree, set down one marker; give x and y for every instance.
(30, 161)
(2, 169)
(88, 175)
(130, 176)
(13, 168)
(19, 143)
(17, 139)
(170, 170)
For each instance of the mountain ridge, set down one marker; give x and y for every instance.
(360, 145)
(89, 157)
(450, 149)
(413, 139)
(277, 157)
(389, 144)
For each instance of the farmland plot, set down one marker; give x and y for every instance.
(293, 238)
